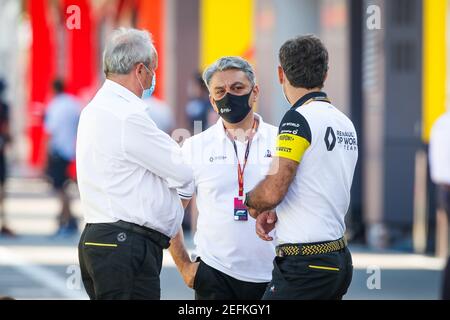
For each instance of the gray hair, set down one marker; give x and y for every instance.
(228, 63)
(127, 47)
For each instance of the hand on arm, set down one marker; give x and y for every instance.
(265, 223)
(271, 191)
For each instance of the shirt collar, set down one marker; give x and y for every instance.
(220, 129)
(123, 92)
(312, 95)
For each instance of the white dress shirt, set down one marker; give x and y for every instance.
(229, 246)
(127, 168)
(440, 150)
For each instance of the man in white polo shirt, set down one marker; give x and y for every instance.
(230, 157)
(315, 161)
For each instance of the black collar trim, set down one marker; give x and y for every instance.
(318, 95)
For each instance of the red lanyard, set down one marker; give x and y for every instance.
(239, 168)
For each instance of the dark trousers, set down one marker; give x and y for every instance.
(446, 282)
(212, 284)
(119, 264)
(57, 170)
(315, 277)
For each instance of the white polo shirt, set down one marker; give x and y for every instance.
(229, 246)
(440, 150)
(324, 142)
(127, 168)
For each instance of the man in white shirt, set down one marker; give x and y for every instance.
(440, 174)
(310, 186)
(228, 158)
(128, 172)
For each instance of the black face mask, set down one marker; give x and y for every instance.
(232, 108)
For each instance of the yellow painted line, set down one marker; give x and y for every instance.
(323, 268)
(100, 244)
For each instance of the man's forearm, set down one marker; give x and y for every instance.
(178, 251)
(261, 198)
(271, 191)
(185, 203)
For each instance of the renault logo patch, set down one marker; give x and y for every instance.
(330, 139)
(122, 237)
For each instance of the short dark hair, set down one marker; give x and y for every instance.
(58, 86)
(304, 60)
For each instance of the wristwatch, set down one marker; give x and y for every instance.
(246, 199)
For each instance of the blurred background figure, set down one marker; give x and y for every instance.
(61, 123)
(199, 117)
(198, 108)
(198, 111)
(440, 174)
(5, 139)
(161, 113)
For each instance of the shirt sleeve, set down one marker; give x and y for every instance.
(153, 149)
(294, 136)
(49, 119)
(439, 152)
(186, 192)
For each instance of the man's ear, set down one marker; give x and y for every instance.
(255, 93)
(139, 68)
(213, 103)
(280, 74)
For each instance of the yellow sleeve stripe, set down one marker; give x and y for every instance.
(291, 146)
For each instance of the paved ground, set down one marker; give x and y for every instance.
(35, 266)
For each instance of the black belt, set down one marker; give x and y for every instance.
(156, 236)
(308, 249)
